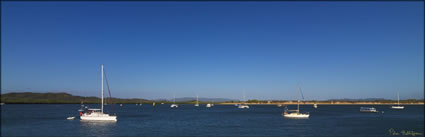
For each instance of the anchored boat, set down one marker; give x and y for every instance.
(174, 105)
(398, 103)
(368, 109)
(98, 114)
(243, 105)
(295, 113)
(197, 101)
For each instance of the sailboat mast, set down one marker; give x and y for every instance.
(102, 88)
(298, 98)
(244, 96)
(197, 99)
(398, 98)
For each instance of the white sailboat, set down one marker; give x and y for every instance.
(315, 105)
(208, 105)
(243, 105)
(398, 103)
(197, 101)
(97, 114)
(295, 113)
(174, 105)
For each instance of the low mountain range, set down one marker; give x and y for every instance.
(30, 97)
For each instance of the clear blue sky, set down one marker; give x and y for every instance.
(215, 49)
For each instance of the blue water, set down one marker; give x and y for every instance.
(220, 120)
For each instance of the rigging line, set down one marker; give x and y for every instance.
(109, 91)
(302, 95)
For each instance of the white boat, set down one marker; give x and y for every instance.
(368, 109)
(70, 118)
(243, 105)
(279, 105)
(97, 114)
(197, 101)
(174, 105)
(315, 105)
(208, 105)
(2, 104)
(120, 105)
(398, 103)
(295, 113)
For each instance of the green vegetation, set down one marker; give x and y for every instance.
(60, 98)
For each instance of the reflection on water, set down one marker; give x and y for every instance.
(221, 120)
(97, 123)
(97, 128)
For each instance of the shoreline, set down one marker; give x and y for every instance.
(240, 103)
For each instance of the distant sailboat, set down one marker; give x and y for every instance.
(208, 105)
(295, 113)
(243, 105)
(174, 105)
(368, 109)
(97, 114)
(197, 101)
(398, 103)
(315, 105)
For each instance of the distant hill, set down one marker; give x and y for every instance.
(66, 98)
(47, 98)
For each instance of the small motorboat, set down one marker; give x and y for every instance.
(70, 118)
(208, 105)
(315, 105)
(174, 106)
(368, 109)
(243, 106)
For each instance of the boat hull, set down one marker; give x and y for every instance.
(296, 115)
(242, 106)
(397, 107)
(369, 111)
(99, 118)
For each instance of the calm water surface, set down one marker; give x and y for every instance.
(220, 120)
